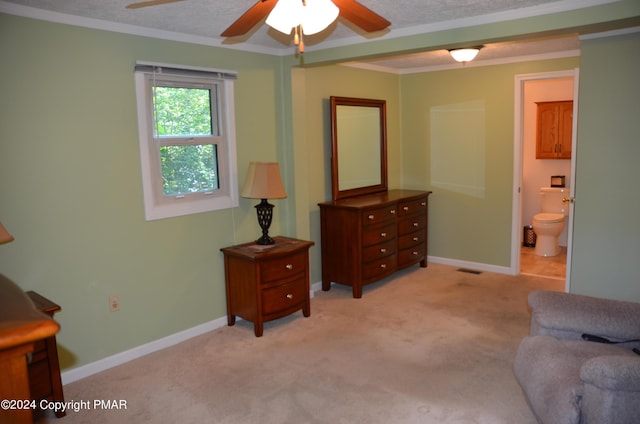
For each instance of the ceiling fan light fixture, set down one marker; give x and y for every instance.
(465, 54)
(313, 15)
(286, 15)
(317, 15)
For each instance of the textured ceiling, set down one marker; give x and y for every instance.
(203, 20)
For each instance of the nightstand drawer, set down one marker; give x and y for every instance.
(283, 297)
(284, 267)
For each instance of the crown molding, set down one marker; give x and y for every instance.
(525, 12)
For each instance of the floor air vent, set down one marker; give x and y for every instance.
(469, 271)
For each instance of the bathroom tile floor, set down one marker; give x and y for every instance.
(545, 266)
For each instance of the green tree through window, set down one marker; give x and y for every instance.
(187, 167)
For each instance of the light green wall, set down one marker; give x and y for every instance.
(606, 242)
(70, 186)
(313, 133)
(589, 19)
(466, 222)
(70, 189)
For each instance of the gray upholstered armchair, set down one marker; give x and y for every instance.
(569, 380)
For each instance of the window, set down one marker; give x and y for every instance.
(186, 132)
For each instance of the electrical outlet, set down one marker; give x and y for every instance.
(114, 302)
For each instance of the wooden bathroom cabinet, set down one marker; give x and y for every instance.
(554, 127)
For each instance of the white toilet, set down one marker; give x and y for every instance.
(549, 223)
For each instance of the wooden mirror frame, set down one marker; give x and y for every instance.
(381, 106)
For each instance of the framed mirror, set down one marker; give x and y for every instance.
(358, 146)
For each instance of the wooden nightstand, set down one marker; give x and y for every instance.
(267, 282)
(44, 369)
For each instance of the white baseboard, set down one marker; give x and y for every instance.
(470, 265)
(84, 371)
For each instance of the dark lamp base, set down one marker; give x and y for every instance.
(265, 213)
(265, 240)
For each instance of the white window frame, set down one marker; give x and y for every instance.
(156, 204)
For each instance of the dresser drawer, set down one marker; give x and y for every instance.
(284, 267)
(379, 234)
(411, 224)
(406, 241)
(283, 297)
(376, 270)
(378, 251)
(411, 256)
(378, 215)
(411, 207)
(39, 379)
(39, 351)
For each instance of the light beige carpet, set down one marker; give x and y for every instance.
(430, 345)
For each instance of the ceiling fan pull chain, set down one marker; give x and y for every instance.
(297, 38)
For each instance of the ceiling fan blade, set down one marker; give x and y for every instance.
(251, 17)
(361, 16)
(149, 3)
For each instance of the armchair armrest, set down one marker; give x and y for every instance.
(613, 372)
(568, 316)
(611, 389)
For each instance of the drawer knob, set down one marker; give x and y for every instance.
(289, 267)
(423, 204)
(415, 239)
(392, 211)
(383, 250)
(415, 253)
(383, 234)
(289, 296)
(383, 266)
(416, 224)
(406, 208)
(371, 217)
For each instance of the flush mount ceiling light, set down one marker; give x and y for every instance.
(466, 54)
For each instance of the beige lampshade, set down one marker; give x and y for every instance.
(263, 182)
(5, 237)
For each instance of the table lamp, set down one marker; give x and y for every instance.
(264, 182)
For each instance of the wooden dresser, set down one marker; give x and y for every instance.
(21, 326)
(44, 368)
(267, 282)
(366, 238)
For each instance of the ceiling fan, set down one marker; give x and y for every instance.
(350, 10)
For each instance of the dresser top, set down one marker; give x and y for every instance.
(376, 199)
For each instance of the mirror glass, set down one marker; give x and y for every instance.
(359, 146)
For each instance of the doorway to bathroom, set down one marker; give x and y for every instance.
(530, 174)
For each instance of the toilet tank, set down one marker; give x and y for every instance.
(551, 200)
